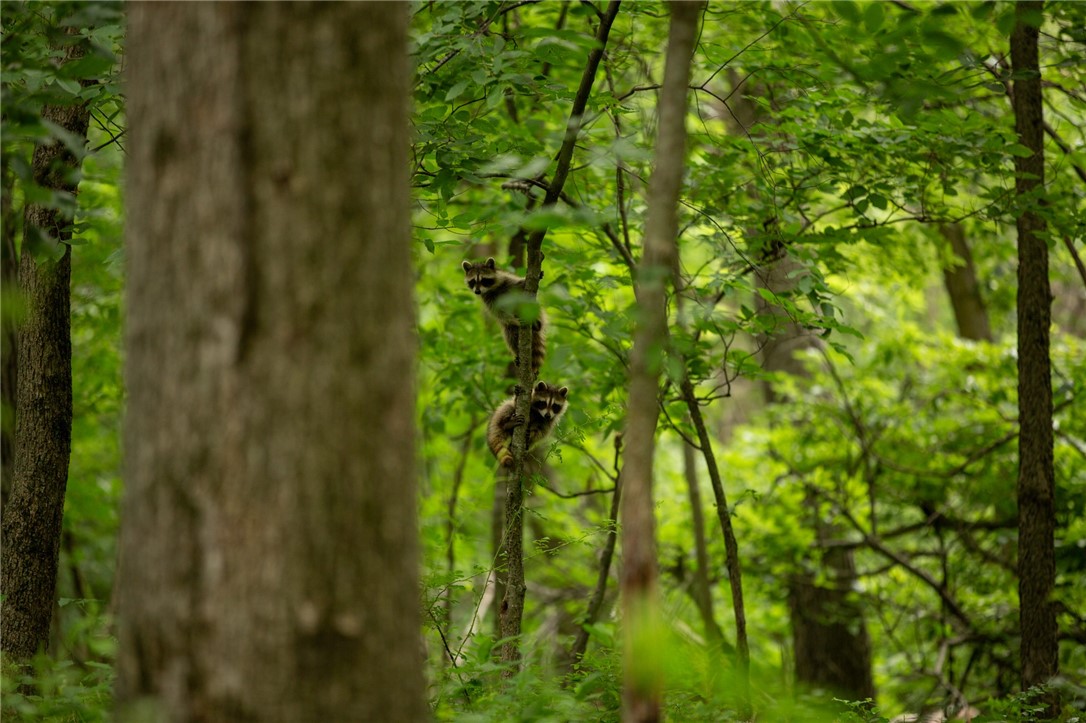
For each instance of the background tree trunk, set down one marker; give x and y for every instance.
(642, 688)
(1036, 481)
(269, 546)
(33, 514)
(829, 636)
(963, 288)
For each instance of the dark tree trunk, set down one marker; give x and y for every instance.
(9, 282)
(595, 604)
(700, 586)
(813, 611)
(33, 515)
(962, 287)
(731, 552)
(642, 686)
(1036, 482)
(269, 563)
(829, 637)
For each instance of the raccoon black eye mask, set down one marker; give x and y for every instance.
(499, 290)
(548, 404)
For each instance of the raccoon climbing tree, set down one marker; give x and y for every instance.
(512, 607)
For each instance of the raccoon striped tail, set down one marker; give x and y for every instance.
(539, 349)
(539, 344)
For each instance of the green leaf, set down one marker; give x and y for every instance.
(873, 16)
(1017, 149)
(72, 86)
(456, 91)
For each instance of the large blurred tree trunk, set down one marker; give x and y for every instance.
(1036, 480)
(34, 510)
(269, 548)
(642, 687)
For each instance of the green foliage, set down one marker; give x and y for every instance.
(55, 54)
(75, 687)
(877, 124)
(74, 680)
(841, 134)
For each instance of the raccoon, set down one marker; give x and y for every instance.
(498, 289)
(548, 404)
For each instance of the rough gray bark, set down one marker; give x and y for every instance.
(33, 514)
(269, 555)
(1036, 480)
(962, 287)
(642, 685)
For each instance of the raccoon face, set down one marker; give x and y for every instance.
(481, 277)
(548, 402)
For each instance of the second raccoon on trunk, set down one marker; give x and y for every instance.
(499, 290)
(548, 404)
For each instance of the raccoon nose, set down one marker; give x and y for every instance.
(478, 290)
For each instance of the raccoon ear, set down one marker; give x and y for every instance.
(540, 386)
(490, 262)
(563, 391)
(467, 266)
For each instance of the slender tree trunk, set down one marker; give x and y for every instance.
(33, 515)
(269, 544)
(451, 525)
(731, 550)
(963, 289)
(1036, 481)
(511, 612)
(580, 643)
(702, 597)
(642, 687)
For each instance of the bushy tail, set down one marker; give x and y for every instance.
(505, 457)
(539, 344)
(539, 349)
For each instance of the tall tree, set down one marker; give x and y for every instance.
(642, 685)
(269, 545)
(831, 646)
(829, 636)
(1036, 477)
(512, 606)
(33, 514)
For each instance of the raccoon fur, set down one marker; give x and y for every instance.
(499, 291)
(548, 404)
